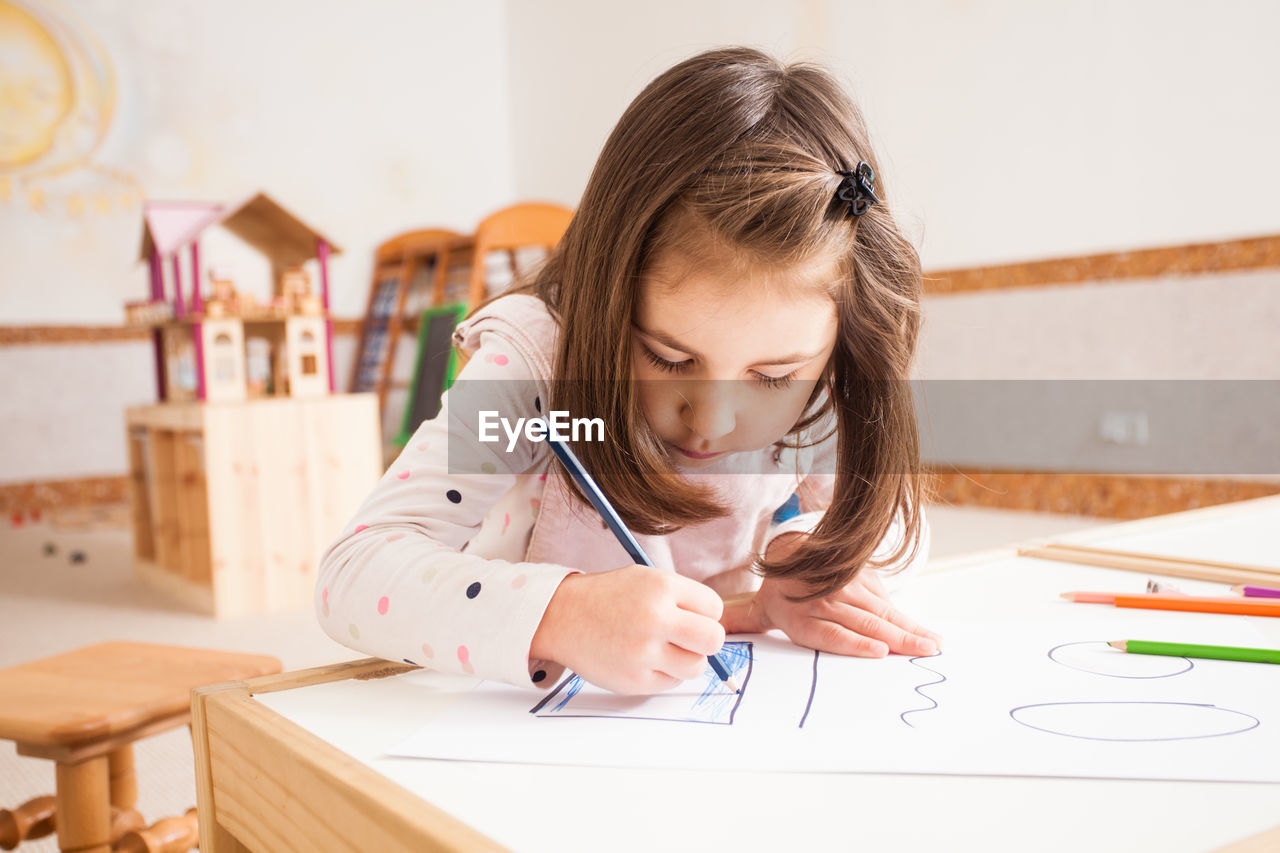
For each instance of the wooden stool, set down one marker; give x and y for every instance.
(83, 710)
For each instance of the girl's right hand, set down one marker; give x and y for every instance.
(631, 630)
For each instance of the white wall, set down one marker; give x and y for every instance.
(1008, 130)
(63, 413)
(1176, 375)
(1212, 326)
(574, 65)
(364, 119)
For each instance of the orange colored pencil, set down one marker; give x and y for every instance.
(1197, 603)
(1239, 606)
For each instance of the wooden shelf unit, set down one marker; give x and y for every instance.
(234, 503)
(411, 272)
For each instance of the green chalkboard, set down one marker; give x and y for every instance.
(435, 368)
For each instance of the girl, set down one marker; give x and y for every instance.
(736, 305)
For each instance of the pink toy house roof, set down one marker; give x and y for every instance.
(259, 221)
(169, 225)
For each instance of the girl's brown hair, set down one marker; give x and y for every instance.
(746, 149)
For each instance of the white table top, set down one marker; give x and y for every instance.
(558, 808)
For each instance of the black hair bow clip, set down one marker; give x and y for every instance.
(858, 188)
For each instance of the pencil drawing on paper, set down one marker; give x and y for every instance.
(1128, 721)
(707, 700)
(919, 688)
(1096, 657)
(813, 688)
(1133, 721)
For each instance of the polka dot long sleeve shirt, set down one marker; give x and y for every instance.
(431, 571)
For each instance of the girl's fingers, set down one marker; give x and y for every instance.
(656, 683)
(696, 597)
(682, 664)
(882, 607)
(904, 637)
(827, 636)
(698, 634)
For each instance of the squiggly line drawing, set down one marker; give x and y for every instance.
(918, 688)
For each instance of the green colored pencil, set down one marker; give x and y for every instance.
(1190, 650)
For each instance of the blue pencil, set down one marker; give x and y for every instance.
(625, 537)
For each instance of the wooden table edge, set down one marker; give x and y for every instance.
(1267, 841)
(359, 805)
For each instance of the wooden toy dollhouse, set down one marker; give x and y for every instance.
(201, 338)
(249, 464)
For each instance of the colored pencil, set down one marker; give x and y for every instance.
(1168, 559)
(1192, 603)
(1200, 604)
(1191, 650)
(620, 530)
(1172, 567)
(1256, 591)
(1090, 597)
(1085, 597)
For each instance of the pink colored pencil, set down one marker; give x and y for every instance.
(1091, 597)
(1083, 597)
(1256, 591)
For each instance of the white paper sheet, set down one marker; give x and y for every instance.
(1025, 685)
(1005, 697)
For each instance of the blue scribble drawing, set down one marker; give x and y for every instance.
(919, 688)
(706, 700)
(575, 684)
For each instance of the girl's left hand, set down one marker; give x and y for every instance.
(857, 620)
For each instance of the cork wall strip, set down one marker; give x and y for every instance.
(1192, 259)
(53, 495)
(32, 335)
(26, 335)
(1096, 495)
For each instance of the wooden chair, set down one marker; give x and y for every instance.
(516, 227)
(83, 710)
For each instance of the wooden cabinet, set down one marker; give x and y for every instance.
(234, 503)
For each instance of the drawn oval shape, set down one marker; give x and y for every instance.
(1098, 658)
(1133, 721)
